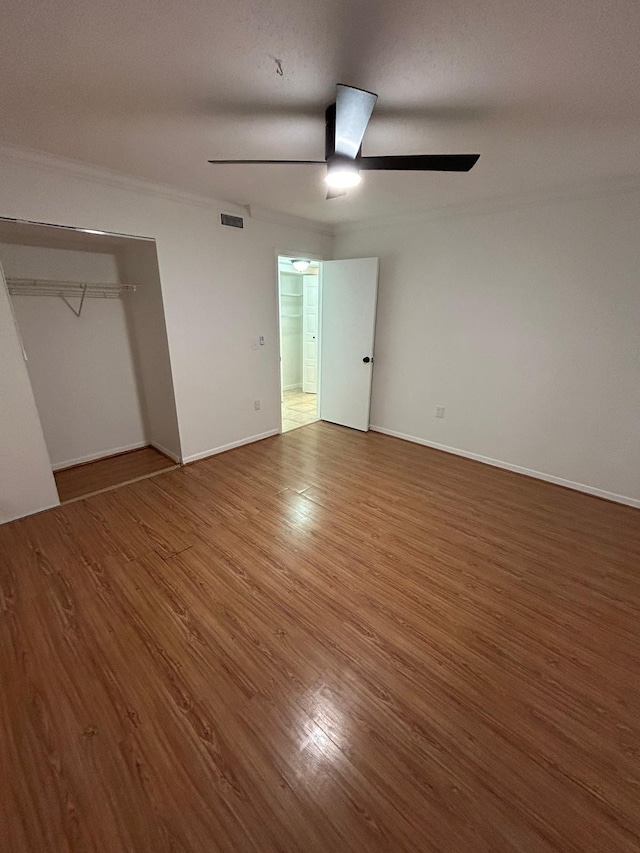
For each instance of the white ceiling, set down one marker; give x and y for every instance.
(548, 92)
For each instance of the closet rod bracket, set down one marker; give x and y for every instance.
(69, 305)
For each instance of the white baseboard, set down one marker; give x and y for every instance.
(162, 449)
(100, 455)
(31, 512)
(498, 463)
(222, 448)
(292, 387)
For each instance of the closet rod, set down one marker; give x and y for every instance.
(33, 284)
(67, 289)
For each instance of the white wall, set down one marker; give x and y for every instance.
(291, 329)
(218, 285)
(81, 368)
(26, 481)
(525, 324)
(139, 266)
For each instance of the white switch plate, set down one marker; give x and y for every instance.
(254, 343)
(261, 340)
(439, 411)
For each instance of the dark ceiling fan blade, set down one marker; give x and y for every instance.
(353, 111)
(335, 192)
(421, 162)
(270, 162)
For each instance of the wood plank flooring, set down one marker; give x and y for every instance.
(81, 480)
(326, 641)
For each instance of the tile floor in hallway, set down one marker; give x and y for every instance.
(298, 409)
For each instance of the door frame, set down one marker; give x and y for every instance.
(312, 256)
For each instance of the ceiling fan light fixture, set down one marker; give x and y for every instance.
(299, 265)
(343, 175)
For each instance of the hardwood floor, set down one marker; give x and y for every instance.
(82, 480)
(326, 641)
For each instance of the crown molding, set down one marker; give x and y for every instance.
(594, 188)
(598, 188)
(43, 161)
(109, 177)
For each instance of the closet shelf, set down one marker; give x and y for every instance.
(67, 290)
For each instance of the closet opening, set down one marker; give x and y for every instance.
(299, 282)
(88, 309)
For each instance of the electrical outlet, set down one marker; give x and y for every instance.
(261, 340)
(256, 404)
(253, 343)
(439, 411)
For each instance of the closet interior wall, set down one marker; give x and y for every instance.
(81, 368)
(102, 380)
(138, 263)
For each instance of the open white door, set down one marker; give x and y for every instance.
(348, 317)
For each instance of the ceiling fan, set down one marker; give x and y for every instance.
(346, 122)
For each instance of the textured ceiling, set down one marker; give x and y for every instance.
(547, 92)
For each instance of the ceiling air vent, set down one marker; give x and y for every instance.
(231, 221)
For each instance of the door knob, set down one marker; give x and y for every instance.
(366, 359)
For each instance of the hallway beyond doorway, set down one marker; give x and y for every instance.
(298, 409)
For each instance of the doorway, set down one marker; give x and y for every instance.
(88, 311)
(299, 304)
(327, 318)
